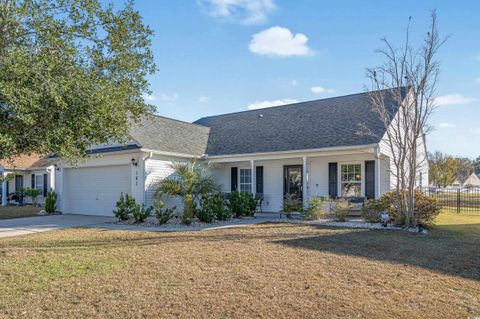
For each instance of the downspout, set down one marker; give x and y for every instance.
(149, 156)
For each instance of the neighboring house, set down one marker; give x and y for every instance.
(304, 149)
(25, 171)
(473, 181)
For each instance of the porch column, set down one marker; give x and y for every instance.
(254, 177)
(4, 189)
(377, 174)
(305, 182)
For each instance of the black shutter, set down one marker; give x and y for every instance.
(234, 179)
(45, 184)
(332, 180)
(259, 172)
(33, 181)
(8, 187)
(370, 179)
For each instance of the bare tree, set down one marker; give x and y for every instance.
(403, 94)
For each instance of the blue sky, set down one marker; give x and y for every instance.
(219, 56)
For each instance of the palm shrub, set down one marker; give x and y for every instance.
(291, 204)
(140, 213)
(163, 214)
(341, 210)
(51, 202)
(242, 204)
(124, 207)
(190, 181)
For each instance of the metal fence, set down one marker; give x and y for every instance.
(461, 200)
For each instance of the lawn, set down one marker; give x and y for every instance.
(9, 212)
(268, 271)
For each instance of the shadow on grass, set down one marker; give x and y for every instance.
(442, 250)
(452, 249)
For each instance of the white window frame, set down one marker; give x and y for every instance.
(41, 183)
(247, 186)
(362, 177)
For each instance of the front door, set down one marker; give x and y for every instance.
(293, 182)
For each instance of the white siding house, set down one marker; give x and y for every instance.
(307, 149)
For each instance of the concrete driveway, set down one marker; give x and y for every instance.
(30, 225)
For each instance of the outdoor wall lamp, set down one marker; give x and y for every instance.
(134, 162)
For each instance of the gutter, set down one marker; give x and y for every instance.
(326, 149)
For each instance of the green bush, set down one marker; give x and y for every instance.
(316, 208)
(213, 207)
(342, 208)
(33, 193)
(242, 204)
(189, 210)
(291, 204)
(51, 202)
(163, 214)
(425, 208)
(140, 213)
(124, 207)
(372, 209)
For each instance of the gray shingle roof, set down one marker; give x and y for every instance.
(331, 122)
(169, 135)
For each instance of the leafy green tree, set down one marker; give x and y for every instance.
(476, 165)
(443, 169)
(72, 74)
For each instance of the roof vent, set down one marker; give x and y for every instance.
(261, 115)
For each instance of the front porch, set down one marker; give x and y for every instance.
(341, 173)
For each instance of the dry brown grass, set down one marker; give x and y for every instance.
(9, 212)
(268, 271)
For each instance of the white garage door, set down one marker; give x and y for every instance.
(95, 190)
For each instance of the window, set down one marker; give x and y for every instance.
(246, 180)
(351, 180)
(39, 182)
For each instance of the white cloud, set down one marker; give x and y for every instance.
(446, 125)
(294, 82)
(453, 99)
(280, 42)
(475, 131)
(319, 89)
(203, 99)
(168, 98)
(265, 104)
(149, 97)
(246, 12)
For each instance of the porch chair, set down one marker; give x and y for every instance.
(259, 201)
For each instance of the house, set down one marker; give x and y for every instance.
(25, 171)
(473, 181)
(304, 150)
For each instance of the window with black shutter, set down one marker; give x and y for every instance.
(234, 179)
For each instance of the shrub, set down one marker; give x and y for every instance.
(189, 210)
(316, 208)
(140, 213)
(291, 204)
(242, 204)
(163, 214)
(341, 211)
(425, 208)
(212, 206)
(124, 207)
(372, 209)
(33, 193)
(51, 202)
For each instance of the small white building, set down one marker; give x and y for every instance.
(473, 181)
